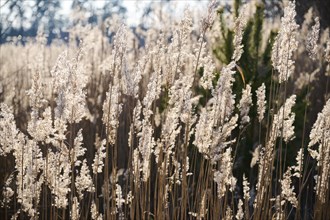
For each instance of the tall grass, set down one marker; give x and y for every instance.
(121, 130)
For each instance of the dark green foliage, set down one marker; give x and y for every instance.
(255, 64)
(224, 50)
(237, 4)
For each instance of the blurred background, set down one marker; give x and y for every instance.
(55, 17)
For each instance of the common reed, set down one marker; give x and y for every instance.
(95, 129)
